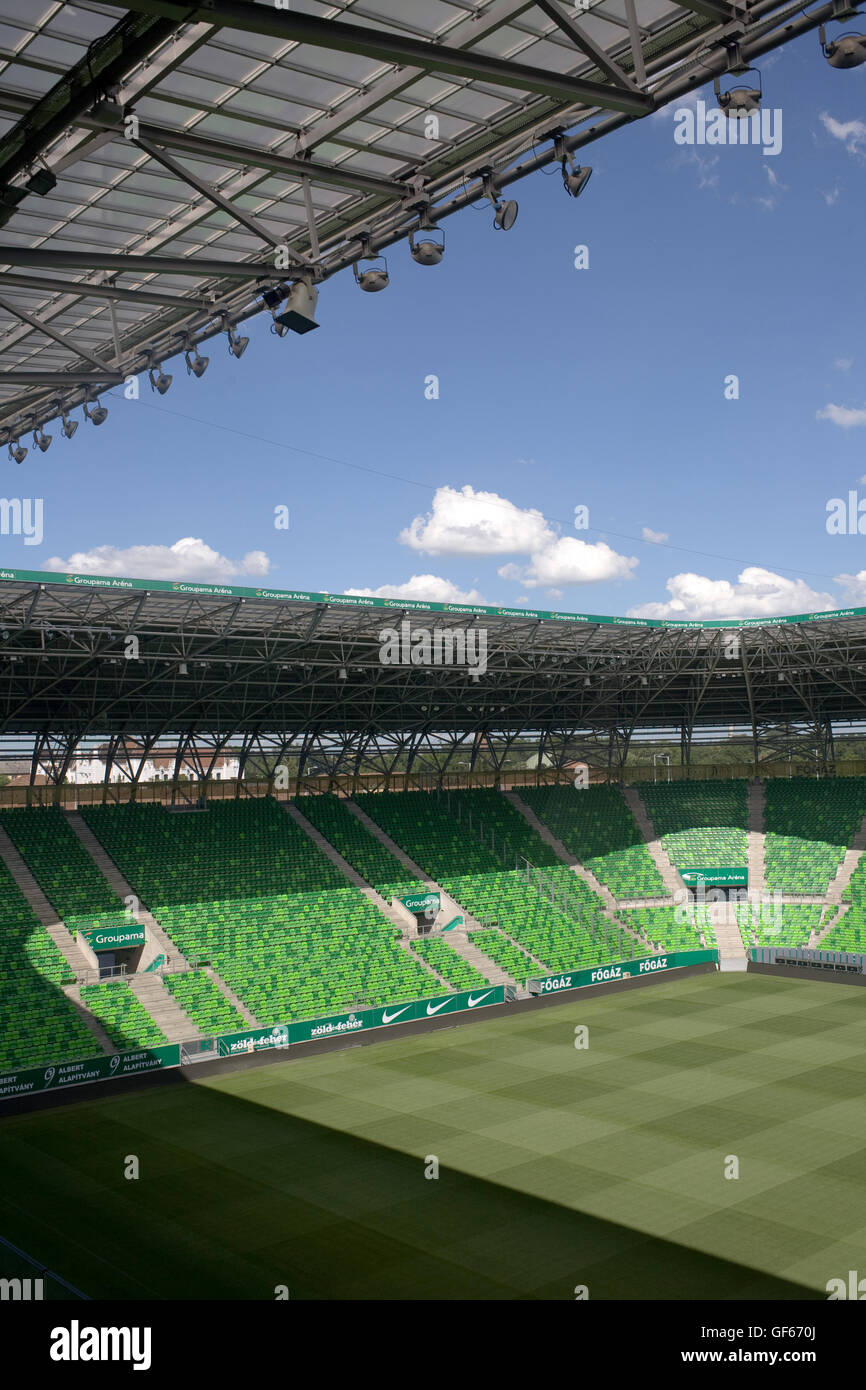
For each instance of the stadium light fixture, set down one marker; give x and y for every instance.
(575, 177)
(161, 382)
(847, 51)
(17, 451)
(300, 309)
(41, 439)
(237, 346)
(739, 102)
(197, 366)
(97, 416)
(505, 212)
(427, 251)
(68, 427)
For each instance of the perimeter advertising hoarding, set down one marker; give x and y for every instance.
(358, 1021)
(623, 970)
(62, 1074)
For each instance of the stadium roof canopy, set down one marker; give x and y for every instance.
(164, 166)
(138, 662)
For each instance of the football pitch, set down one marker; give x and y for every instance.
(559, 1167)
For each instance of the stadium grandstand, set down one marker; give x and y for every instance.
(266, 854)
(223, 904)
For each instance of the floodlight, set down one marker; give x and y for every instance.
(375, 277)
(739, 102)
(17, 452)
(198, 365)
(41, 439)
(300, 308)
(574, 178)
(237, 346)
(427, 252)
(506, 215)
(69, 426)
(97, 416)
(159, 383)
(848, 51)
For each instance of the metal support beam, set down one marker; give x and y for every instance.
(121, 264)
(50, 332)
(394, 47)
(213, 195)
(88, 291)
(564, 22)
(108, 378)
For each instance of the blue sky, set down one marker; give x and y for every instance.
(558, 388)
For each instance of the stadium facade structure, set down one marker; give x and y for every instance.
(169, 170)
(275, 677)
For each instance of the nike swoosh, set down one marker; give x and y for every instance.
(480, 999)
(389, 1018)
(434, 1009)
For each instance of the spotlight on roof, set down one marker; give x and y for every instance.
(160, 382)
(237, 346)
(276, 327)
(506, 214)
(375, 277)
(197, 366)
(41, 439)
(17, 452)
(68, 427)
(739, 102)
(847, 51)
(300, 309)
(427, 251)
(97, 416)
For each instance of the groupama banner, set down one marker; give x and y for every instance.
(715, 878)
(101, 581)
(623, 970)
(114, 938)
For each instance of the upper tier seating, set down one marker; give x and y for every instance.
(596, 825)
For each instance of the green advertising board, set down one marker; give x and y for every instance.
(198, 589)
(358, 1021)
(623, 970)
(715, 878)
(114, 938)
(63, 1074)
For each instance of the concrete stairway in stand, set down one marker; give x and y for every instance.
(175, 959)
(163, 1008)
(669, 875)
(756, 838)
(55, 927)
(845, 870)
(458, 938)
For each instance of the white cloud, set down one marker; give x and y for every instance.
(842, 415)
(466, 522)
(654, 537)
(189, 559)
(429, 588)
(844, 364)
(571, 561)
(831, 197)
(757, 593)
(854, 586)
(851, 133)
